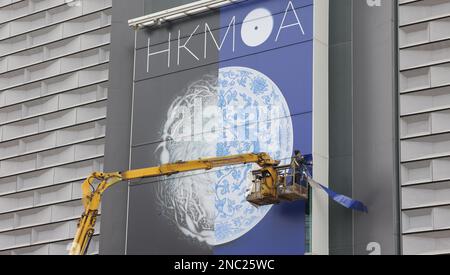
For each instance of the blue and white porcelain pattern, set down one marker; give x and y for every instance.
(244, 88)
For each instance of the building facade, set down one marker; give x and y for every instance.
(54, 57)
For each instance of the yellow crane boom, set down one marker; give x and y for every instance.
(268, 179)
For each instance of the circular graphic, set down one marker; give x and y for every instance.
(257, 27)
(210, 206)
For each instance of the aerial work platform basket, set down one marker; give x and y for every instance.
(291, 184)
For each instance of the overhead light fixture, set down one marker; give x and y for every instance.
(218, 5)
(175, 16)
(179, 12)
(149, 23)
(197, 10)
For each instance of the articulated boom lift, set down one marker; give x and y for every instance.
(271, 184)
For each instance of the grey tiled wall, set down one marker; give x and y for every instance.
(424, 90)
(54, 57)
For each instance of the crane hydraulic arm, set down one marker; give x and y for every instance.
(92, 195)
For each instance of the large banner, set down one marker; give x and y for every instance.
(233, 81)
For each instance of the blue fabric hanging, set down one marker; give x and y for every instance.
(341, 199)
(305, 163)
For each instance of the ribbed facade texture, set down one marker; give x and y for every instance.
(53, 89)
(424, 81)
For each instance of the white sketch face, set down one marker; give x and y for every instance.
(210, 207)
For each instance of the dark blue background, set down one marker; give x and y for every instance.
(289, 64)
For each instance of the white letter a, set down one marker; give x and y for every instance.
(297, 23)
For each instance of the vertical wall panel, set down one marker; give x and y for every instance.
(374, 127)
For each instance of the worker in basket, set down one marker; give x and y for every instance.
(293, 181)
